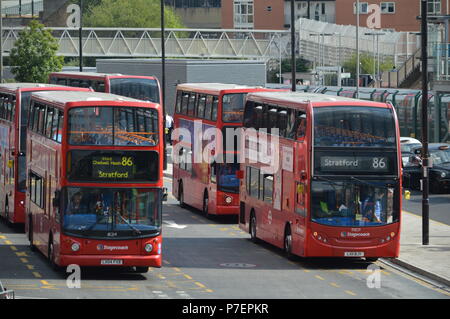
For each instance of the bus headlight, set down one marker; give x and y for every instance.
(148, 248)
(75, 247)
(443, 174)
(228, 199)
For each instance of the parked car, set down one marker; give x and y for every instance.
(439, 170)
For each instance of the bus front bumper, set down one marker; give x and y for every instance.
(111, 260)
(227, 210)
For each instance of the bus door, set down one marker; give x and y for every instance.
(301, 184)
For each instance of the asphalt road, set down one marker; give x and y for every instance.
(439, 206)
(206, 258)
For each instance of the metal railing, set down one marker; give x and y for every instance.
(30, 9)
(6, 294)
(395, 78)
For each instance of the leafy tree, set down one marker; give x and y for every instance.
(300, 66)
(366, 64)
(129, 14)
(33, 56)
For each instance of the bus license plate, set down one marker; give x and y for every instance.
(111, 262)
(354, 254)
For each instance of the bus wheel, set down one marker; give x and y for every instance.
(205, 205)
(288, 243)
(141, 270)
(30, 234)
(51, 255)
(253, 228)
(181, 196)
(7, 213)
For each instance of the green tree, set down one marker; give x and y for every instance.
(129, 14)
(33, 56)
(367, 64)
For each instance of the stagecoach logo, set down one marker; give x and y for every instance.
(354, 235)
(111, 248)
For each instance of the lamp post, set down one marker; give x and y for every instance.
(1, 42)
(80, 35)
(163, 80)
(293, 64)
(425, 152)
(376, 61)
(357, 49)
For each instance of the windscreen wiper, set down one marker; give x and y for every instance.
(137, 231)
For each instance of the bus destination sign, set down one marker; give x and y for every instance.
(113, 167)
(354, 163)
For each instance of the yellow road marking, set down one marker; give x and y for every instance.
(318, 277)
(30, 267)
(24, 260)
(2, 237)
(335, 285)
(21, 254)
(209, 290)
(44, 282)
(8, 242)
(14, 248)
(176, 269)
(166, 262)
(350, 292)
(37, 275)
(200, 285)
(188, 277)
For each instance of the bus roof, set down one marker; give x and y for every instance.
(97, 75)
(215, 87)
(30, 86)
(304, 98)
(64, 97)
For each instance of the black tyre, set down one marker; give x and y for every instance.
(371, 259)
(30, 235)
(288, 243)
(51, 255)
(141, 270)
(205, 206)
(181, 196)
(253, 226)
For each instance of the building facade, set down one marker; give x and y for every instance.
(273, 14)
(398, 15)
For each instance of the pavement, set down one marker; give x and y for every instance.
(431, 261)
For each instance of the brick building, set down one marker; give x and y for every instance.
(273, 14)
(398, 15)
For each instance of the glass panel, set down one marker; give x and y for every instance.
(24, 109)
(440, 157)
(113, 126)
(49, 122)
(141, 89)
(233, 107)
(342, 126)
(228, 181)
(349, 204)
(98, 211)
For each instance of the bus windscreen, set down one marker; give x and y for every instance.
(118, 126)
(111, 212)
(233, 107)
(352, 126)
(136, 88)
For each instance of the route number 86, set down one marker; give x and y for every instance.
(379, 163)
(127, 161)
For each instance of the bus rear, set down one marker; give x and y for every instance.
(109, 200)
(144, 88)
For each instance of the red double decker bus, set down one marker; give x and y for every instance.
(207, 181)
(95, 185)
(14, 103)
(335, 188)
(144, 88)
